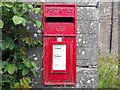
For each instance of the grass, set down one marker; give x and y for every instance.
(108, 72)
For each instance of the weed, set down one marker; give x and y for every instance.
(108, 72)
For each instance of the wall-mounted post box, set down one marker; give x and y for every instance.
(59, 44)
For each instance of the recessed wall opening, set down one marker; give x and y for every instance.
(59, 19)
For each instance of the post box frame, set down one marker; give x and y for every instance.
(59, 77)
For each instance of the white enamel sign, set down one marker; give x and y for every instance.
(59, 57)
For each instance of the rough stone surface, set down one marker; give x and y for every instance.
(105, 10)
(87, 13)
(87, 78)
(85, 26)
(87, 40)
(87, 3)
(105, 27)
(87, 53)
(81, 2)
(87, 63)
(104, 36)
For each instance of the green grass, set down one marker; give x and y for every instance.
(108, 72)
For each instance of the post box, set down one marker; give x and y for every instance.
(59, 44)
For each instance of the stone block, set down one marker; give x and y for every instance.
(115, 25)
(87, 78)
(86, 2)
(105, 26)
(87, 40)
(87, 62)
(115, 45)
(104, 36)
(87, 53)
(85, 26)
(116, 11)
(87, 13)
(78, 2)
(118, 37)
(105, 10)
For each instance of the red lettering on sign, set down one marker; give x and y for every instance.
(60, 10)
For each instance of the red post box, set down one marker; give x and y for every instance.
(59, 44)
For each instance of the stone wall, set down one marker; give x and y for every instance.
(93, 31)
(87, 45)
(105, 27)
(87, 48)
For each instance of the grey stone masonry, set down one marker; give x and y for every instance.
(87, 13)
(87, 47)
(105, 15)
(87, 26)
(86, 78)
(87, 40)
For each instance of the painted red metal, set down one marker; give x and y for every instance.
(59, 21)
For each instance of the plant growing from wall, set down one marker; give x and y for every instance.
(15, 66)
